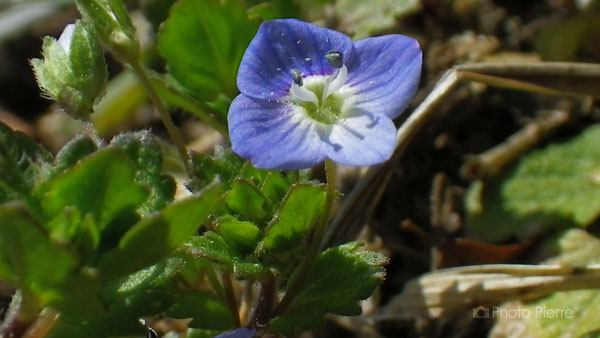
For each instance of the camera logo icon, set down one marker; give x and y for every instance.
(481, 312)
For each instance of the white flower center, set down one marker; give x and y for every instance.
(319, 95)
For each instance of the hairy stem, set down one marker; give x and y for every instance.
(166, 117)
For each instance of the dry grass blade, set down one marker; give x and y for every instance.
(447, 291)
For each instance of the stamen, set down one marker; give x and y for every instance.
(338, 81)
(297, 77)
(335, 58)
(303, 94)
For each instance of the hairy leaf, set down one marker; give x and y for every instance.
(555, 186)
(338, 280)
(297, 215)
(144, 151)
(21, 162)
(102, 185)
(28, 259)
(158, 235)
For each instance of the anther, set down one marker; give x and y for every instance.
(297, 77)
(335, 58)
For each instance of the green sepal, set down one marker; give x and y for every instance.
(73, 71)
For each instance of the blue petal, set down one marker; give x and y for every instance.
(286, 44)
(385, 75)
(360, 139)
(240, 332)
(273, 135)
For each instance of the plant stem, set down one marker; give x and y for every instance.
(313, 250)
(42, 325)
(231, 299)
(166, 117)
(265, 302)
(196, 108)
(22, 311)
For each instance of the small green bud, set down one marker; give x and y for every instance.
(73, 71)
(110, 20)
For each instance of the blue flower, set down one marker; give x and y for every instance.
(309, 93)
(240, 332)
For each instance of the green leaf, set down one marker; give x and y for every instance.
(364, 18)
(28, 260)
(102, 185)
(198, 333)
(337, 281)
(574, 311)
(252, 174)
(22, 161)
(555, 186)
(275, 186)
(146, 154)
(225, 165)
(75, 150)
(208, 313)
(75, 230)
(214, 248)
(147, 292)
(203, 42)
(241, 236)
(297, 215)
(158, 235)
(247, 200)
